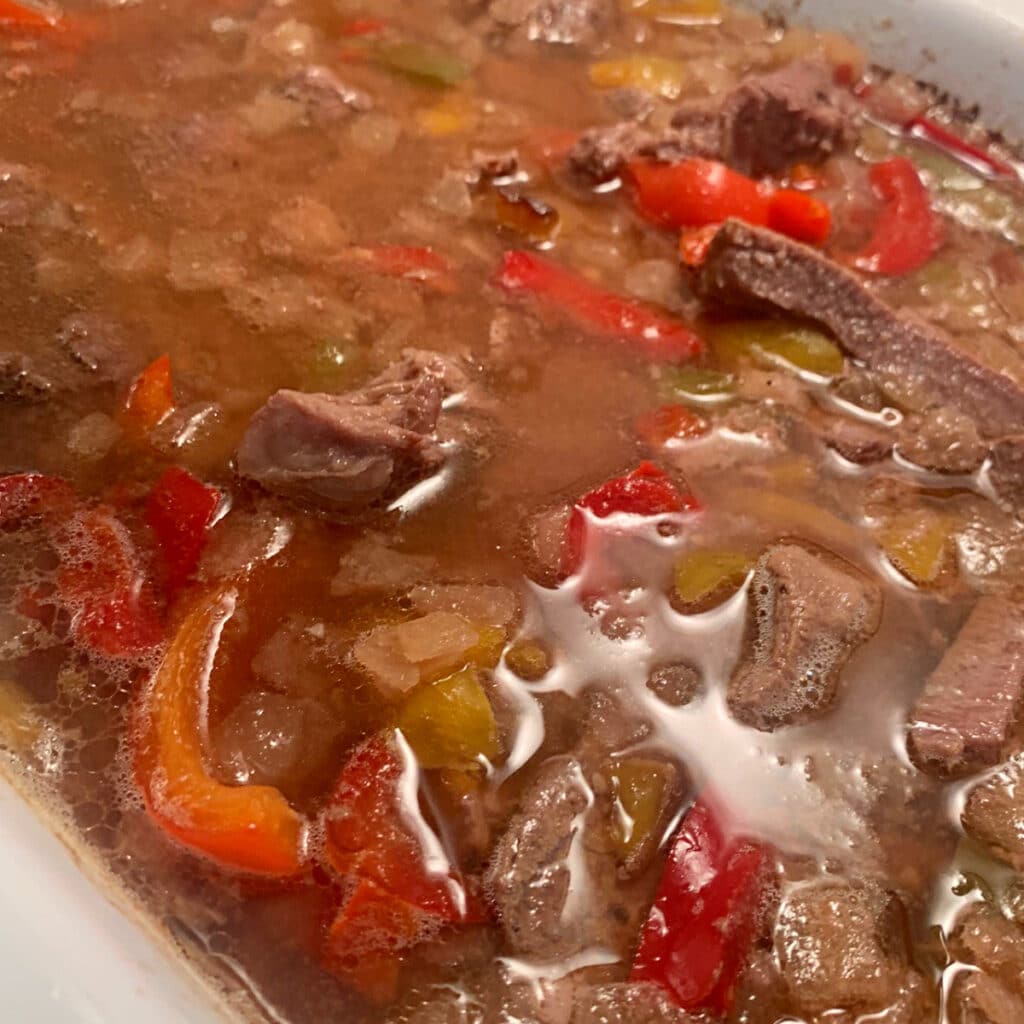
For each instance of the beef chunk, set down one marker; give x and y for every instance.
(808, 611)
(1006, 472)
(988, 940)
(994, 812)
(976, 998)
(764, 126)
(98, 347)
(964, 717)
(635, 1002)
(842, 947)
(352, 450)
(553, 899)
(755, 267)
(788, 116)
(568, 22)
(856, 440)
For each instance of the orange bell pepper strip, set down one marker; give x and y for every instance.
(23, 15)
(151, 397)
(247, 828)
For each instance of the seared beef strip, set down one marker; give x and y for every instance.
(965, 715)
(350, 451)
(765, 125)
(842, 946)
(808, 611)
(994, 812)
(976, 998)
(988, 940)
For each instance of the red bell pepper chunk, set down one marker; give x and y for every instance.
(700, 931)
(671, 423)
(180, 511)
(103, 584)
(800, 216)
(368, 936)
(592, 307)
(908, 232)
(25, 15)
(151, 396)
(695, 193)
(368, 838)
(978, 159)
(363, 27)
(415, 262)
(33, 494)
(646, 491)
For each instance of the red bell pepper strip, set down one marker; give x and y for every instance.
(246, 828)
(180, 511)
(978, 159)
(413, 262)
(646, 491)
(150, 397)
(25, 15)
(671, 423)
(368, 836)
(700, 931)
(800, 216)
(104, 585)
(908, 232)
(695, 193)
(363, 27)
(34, 494)
(592, 307)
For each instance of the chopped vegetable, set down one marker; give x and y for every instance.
(658, 75)
(671, 423)
(151, 397)
(180, 511)
(919, 544)
(531, 218)
(449, 723)
(776, 341)
(103, 584)
(34, 494)
(706, 914)
(368, 936)
(654, 333)
(29, 15)
(247, 828)
(704, 574)
(698, 383)
(974, 157)
(639, 788)
(646, 492)
(908, 232)
(422, 63)
(368, 835)
(528, 660)
(676, 12)
(20, 727)
(700, 193)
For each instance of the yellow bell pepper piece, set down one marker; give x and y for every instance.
(20, 727)
(658, 75)
(676, 12)
(450, 723)
(707, 572)
(774, 342)
(639, 787)
(528, 660)
(918, 545)
(454, 114)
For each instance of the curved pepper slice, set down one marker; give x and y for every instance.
(151, 397)
(908, 231)
(706, 913)
(248, 828)
(592, 307)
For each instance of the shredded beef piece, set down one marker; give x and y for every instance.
(98, 346)
(765, 125)
(842, 947)
(754, 267)
(350, 451)
(994, 812)
(966, 713)
(324, 96)
(988, 940)
(809, 610)
(19, 379)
